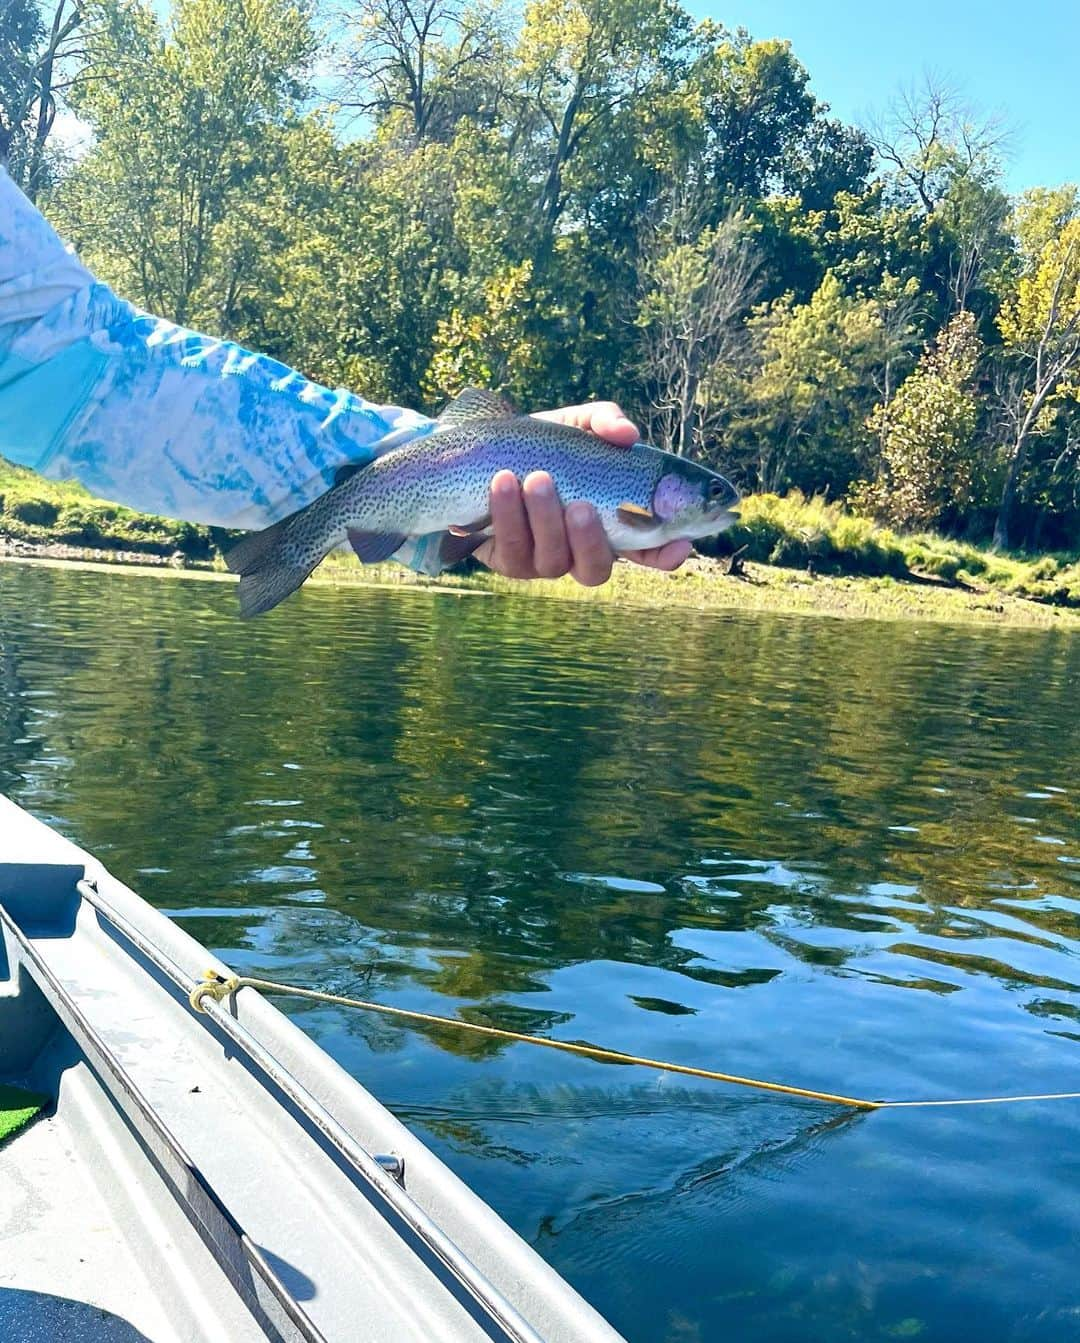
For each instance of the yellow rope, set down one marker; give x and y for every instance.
(218, 988)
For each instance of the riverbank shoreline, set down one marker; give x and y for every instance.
(701, 584)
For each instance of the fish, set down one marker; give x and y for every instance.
(440, 482)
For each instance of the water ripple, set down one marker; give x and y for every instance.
(840, 854)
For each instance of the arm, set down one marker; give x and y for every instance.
(151, 415)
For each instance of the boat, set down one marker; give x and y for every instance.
(214, 1176)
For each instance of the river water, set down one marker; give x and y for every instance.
(840, 854)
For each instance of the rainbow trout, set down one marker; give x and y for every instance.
(440, 483)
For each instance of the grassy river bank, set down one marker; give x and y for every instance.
(792, 554)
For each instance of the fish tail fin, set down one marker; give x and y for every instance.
(268, 571)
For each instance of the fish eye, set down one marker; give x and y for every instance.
(717, 488)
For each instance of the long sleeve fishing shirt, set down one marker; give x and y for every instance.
(148, 414)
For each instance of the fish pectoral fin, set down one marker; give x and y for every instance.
(457, 546)
(475, 404)
(371, 547)
(633, 515)
(471, 528)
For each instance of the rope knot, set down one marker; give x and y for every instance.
(213, 985)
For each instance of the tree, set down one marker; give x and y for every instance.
(490, 348)
(943, 159)
(972, 220)
(930, 136)
(432, 60)
(183, 125)
(691, 318)
(827, 159)
(21, 33)
(761, 131)
(756, 106)
(579, 62)
(815, 387)
(33, 57)
(927, 434)
(1040, 328)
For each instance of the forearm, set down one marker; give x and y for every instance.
(148, 414)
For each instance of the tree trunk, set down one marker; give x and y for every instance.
(550, 197)
(46, 116)
(62, 28)
(686, 417)
(1003, 524)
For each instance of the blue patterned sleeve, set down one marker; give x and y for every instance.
(148, 414)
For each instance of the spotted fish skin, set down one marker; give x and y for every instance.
(644, 497)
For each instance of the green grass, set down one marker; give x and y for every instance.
(17, 1109)
(702, 584)
(45, 512)
(806, 555)
(802, 533)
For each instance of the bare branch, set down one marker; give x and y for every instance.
(416, 56)
(698, 285)
(928, 135)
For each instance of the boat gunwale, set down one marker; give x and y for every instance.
(361, 1162)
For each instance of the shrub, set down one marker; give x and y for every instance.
(37, 512)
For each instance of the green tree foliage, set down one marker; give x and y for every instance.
(574, 199)
(185, 124)
(21, 34)
(927, 435)
(757, 112)
(489, 348)
(819, 366)
(578, 63)
(1040, 327)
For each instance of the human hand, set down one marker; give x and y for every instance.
(535, 537)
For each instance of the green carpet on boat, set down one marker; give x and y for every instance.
(17, 1109)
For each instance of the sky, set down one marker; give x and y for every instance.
(1019, 59)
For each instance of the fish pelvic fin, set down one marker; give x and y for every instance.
(267, 574)
(472, 528)
(455, 547)
(374, 547)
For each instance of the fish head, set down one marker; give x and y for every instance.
(690, 500)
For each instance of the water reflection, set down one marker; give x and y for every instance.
(841, 854)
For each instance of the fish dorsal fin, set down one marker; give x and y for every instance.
(475, 404)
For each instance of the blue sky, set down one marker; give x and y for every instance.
(1019, 59)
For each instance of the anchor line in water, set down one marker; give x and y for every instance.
(219, 987)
